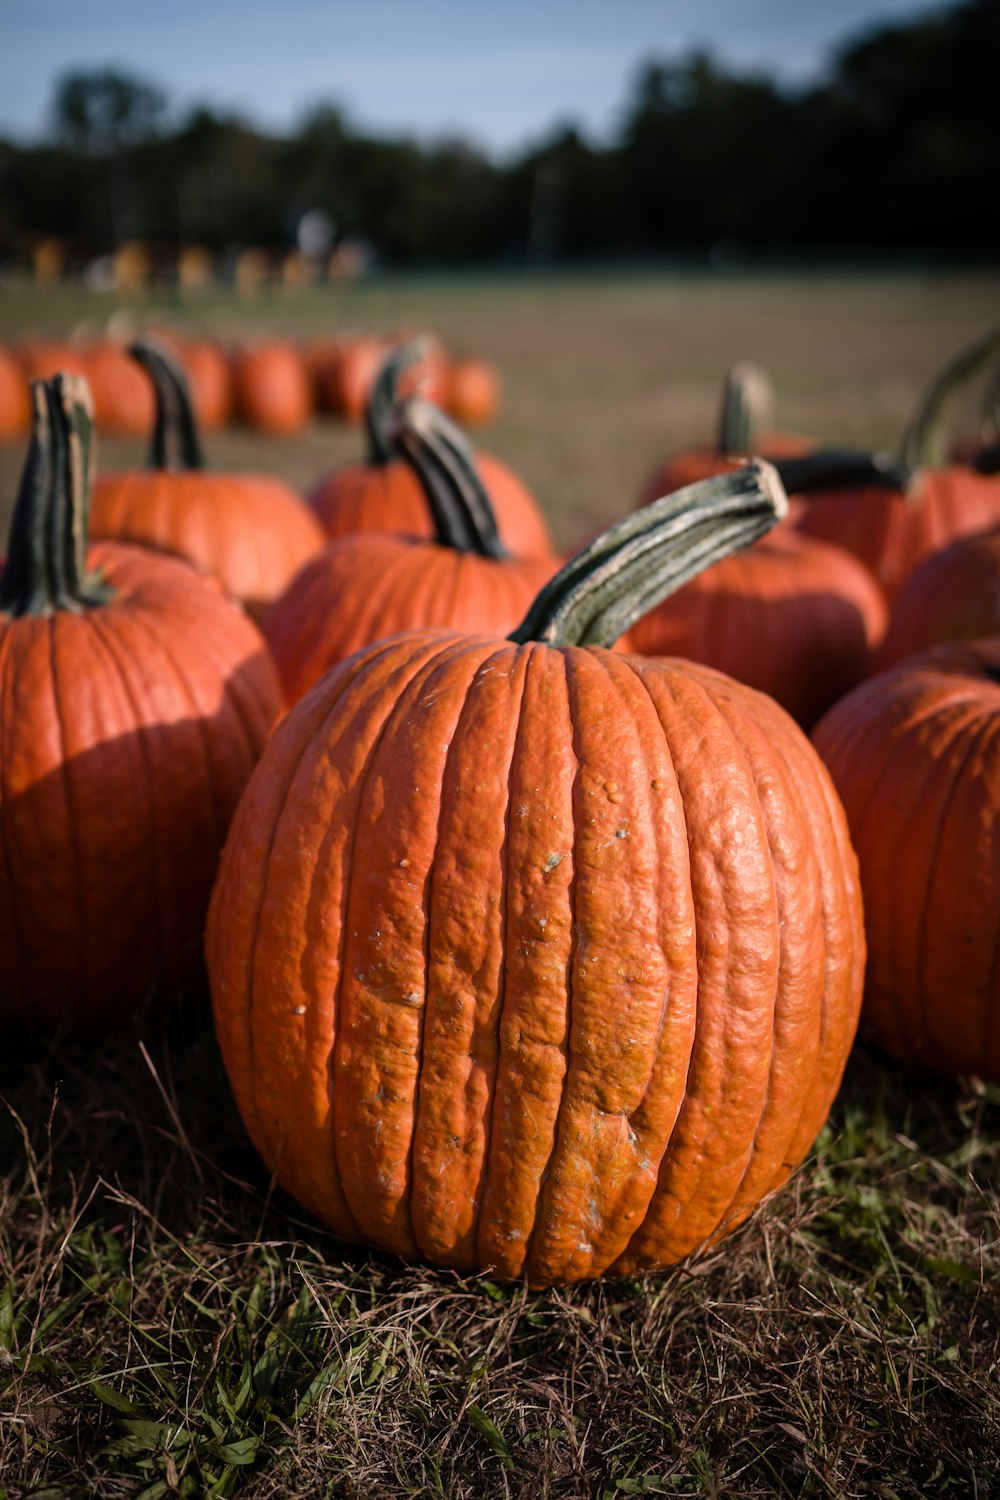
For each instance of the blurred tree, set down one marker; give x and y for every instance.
(104, 109)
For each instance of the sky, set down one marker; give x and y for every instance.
(498, 74)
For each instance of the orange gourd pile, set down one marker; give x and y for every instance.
(541, 931)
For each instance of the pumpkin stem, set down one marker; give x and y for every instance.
(631, 567)
(175, 442)
(439, 453)
(746, 410)
(925, 440)
(47, 547)
(385, 397)
(843, 469)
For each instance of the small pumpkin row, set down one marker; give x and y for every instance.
(272, 385)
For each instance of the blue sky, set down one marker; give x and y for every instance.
(498, 73)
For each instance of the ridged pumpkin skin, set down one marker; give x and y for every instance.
(366, 587)
(538, 960)
(388, 497)
(271, 388)
(915, 756)
(128, 734)
(249, 531)
(954, 595)
(892, 532)
(15, 408)
(794, 617)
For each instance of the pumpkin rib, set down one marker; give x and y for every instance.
(148, 629)
(74, 841)
(787, 824)
(457, 888)
(836, 916)
(521, 1140)
(691, 721)
(377, 1029)
(156, 857)
(977, 728)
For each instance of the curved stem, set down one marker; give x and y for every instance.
(47, 549)
(650, 554)
(175, 433)
(843, 469)
(925, 439)
(747, 406)
(385, 396)
(440, 456)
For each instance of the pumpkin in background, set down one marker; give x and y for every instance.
(41, 359)
(135, 700)
(271, 388)
(363, 587)
(472, 392)
(346, 378)
(915, 756)
(210, 382)
(250, 531)
(893, 526)
(954, 595)
(744, 414)
(795, 617)
(15, 408)
(383, 494)
(533, 957)
(124, 404)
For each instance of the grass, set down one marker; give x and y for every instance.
(172, 1325)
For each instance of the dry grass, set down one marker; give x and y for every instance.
(171, 1326)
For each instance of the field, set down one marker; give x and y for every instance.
(171, 1324)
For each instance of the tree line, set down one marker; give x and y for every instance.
(893, 149)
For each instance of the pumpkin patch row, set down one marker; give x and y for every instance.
(538, 942)
(273, 385)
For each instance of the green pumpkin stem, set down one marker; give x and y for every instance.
(631, 567)
(843, 469)
(175, 442)
(439, 453)
(47, 548)
(746, 410)
(385, 398)
(925, 441)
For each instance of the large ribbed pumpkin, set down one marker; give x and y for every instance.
(250, 531)
(892, 527)
(383, 494)
(915, 756)
(374, 584)
(795, 617)
(134, 702)
(530, 957)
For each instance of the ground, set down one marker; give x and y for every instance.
(170, 1324)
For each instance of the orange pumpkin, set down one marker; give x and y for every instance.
(363, 587)
(134, 700)
(893, 527)
(530, 957)
(747, 402)
(271, 388)
(383, 494)
(797, 618)
(953, 595)
(915, 756)
(249, 531)
(123, 398)
(472, 392)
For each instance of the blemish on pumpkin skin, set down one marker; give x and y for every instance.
(299, 1010)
